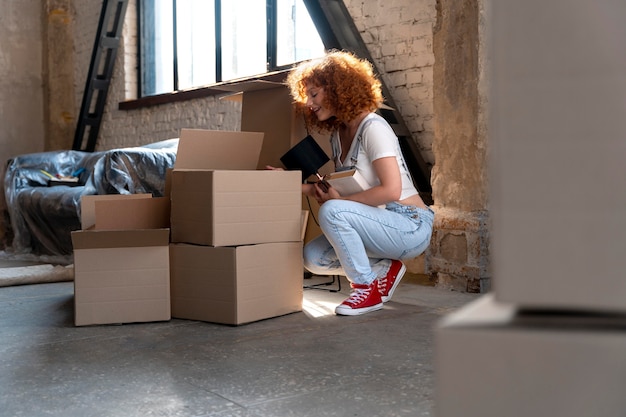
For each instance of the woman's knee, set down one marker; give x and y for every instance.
(319, 256)
(310, 257)
(313, 253)
(313, 265)
(330, 212)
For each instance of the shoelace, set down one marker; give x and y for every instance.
(358, 295)
(382, 284)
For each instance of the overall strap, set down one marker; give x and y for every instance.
(355, 153)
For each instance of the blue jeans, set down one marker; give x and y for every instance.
(359, 241)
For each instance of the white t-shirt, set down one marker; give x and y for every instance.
(374, 139)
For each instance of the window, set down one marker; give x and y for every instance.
(194, 43)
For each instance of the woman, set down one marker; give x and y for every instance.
(367, 234)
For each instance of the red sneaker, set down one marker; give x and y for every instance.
(387, 284)
(363, 299)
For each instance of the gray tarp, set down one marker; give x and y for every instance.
(42, 217)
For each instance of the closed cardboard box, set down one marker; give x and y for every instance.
(121, 262)
(236, 285)
(494, 360)
(557, 204)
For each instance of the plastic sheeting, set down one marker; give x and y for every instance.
(43, 217)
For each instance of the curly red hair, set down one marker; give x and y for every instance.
(349, 83)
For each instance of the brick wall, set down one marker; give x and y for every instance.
(399, 36)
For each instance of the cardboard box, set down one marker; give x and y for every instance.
(313, 229)
(556, 201)
(220, 207)
(268, 107)
(236, 285)
(121, 275)
(304, 224)
(495, 360)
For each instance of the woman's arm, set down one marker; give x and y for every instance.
(389, 190)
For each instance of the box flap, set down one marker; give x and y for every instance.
(132, 214)
(88, 206)
(215, 149)
(99, 239)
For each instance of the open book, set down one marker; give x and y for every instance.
(347, 182)
(69, 181)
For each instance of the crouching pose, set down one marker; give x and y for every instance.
(366, 235)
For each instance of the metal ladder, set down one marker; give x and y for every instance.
(100, 73)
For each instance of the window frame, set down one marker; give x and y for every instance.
(197, 92)
(271, 53)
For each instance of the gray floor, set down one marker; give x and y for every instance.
(304, 364)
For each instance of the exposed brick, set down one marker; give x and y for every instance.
(414, 76)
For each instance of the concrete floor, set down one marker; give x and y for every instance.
(311, 363)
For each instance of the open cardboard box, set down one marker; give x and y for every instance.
(220, 198)
(267, 107)
(236, 251)
(121, 260)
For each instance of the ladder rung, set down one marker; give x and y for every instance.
(92, 121)
(109, 43)
(99, 84)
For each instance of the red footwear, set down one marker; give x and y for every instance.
(387, 284)
(363, 299)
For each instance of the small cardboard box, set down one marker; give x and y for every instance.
(494, 359)
(235, 206)
(121, 266)
(236, 285)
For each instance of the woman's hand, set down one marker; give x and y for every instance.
(322, 196)
(273, 168)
